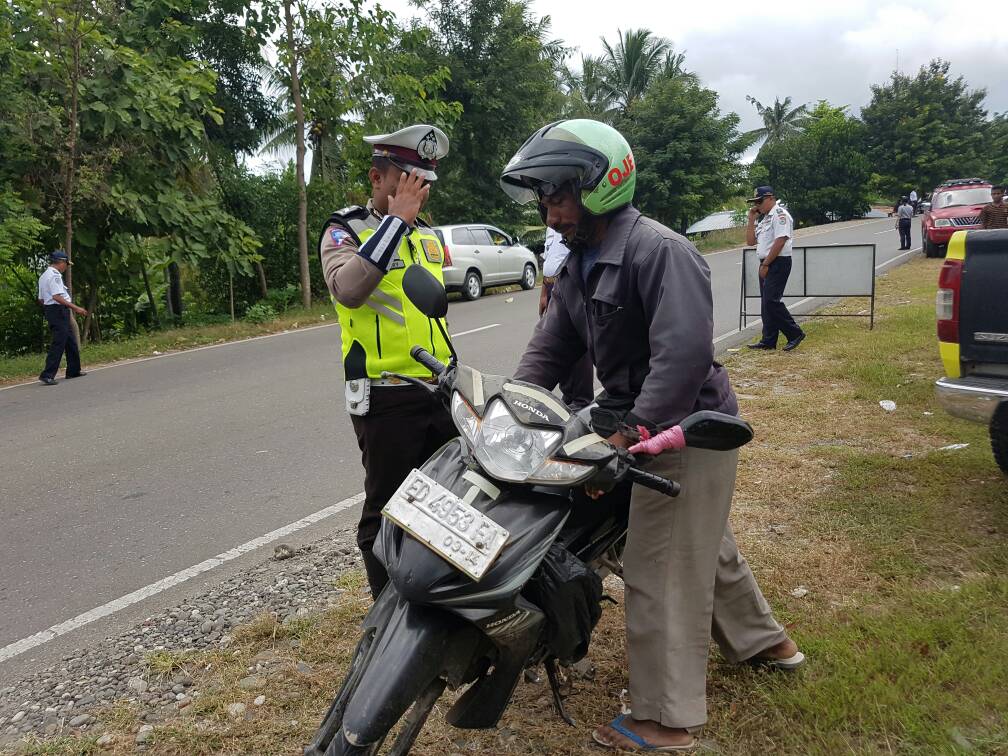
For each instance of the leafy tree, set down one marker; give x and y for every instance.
(780, 120)
(685, 149)
(822, 173)
(997, 148)
(924, 129)
(633, 62)
(587, 94)
(504, 72)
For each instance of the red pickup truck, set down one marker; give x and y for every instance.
(955, 206)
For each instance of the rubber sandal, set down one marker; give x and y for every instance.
(617, 724)
(785, 665)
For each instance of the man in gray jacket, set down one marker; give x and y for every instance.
(637, 298)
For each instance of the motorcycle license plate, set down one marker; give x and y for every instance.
(455, 530)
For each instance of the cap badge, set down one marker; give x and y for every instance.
(427, 149)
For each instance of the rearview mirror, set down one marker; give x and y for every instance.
(715, 430)
(425, 291)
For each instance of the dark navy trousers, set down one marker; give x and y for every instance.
(58, 317)
(776, 317)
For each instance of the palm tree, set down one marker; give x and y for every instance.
(780, 121)
(635, 61)
(587, 94)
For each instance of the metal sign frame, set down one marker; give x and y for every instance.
(744, 314)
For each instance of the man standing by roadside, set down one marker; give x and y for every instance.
(995, 214)
(913, 201)
(364, 253)
(772, 235)
(904, 217)
(637, 298)
(55, 299)
(577, 388)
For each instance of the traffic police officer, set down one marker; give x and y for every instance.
(55, 299)
(364, 253)
(772, 236)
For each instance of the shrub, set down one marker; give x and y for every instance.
(260, 313)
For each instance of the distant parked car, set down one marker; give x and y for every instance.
(955, 206)
(478, 255)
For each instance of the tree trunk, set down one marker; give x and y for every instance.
(70, 172)
(174, 290)
(263, 289)
(299, 122)
(150, 294)
(231, 294)
(91, 332)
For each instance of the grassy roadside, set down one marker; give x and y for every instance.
(900, 544)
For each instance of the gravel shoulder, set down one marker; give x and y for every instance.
(134, 669)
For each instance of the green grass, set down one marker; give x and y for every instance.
(716, 241)
(28, 366)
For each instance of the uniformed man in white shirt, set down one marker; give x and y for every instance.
(772, 234)
(55, 300)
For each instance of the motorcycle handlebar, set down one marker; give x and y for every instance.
(427, 359)
(654, 482)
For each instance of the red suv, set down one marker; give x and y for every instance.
(955, 205)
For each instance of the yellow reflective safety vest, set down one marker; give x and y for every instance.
(378, 335)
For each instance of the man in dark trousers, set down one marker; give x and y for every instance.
(364, 253)
(55, 299)
(636, 297)
(772, 235)
(904, 218)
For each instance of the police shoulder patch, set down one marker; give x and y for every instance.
(432, 250)
(339, 236)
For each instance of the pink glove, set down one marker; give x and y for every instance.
(672, 438)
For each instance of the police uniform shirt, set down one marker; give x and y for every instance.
(774, 225)
(905, 212)
(51, 283)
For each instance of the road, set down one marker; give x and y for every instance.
(144, 470)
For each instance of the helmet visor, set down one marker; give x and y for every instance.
(526, 185)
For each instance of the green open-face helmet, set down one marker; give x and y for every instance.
(590, 154)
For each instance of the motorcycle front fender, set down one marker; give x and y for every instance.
(416, 645)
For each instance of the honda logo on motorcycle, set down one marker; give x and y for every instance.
(529, 408)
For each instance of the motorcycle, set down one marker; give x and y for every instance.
(493, 568)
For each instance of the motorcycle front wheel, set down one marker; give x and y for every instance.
(412, 724)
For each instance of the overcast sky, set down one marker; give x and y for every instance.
(808, 50)
(805, 50)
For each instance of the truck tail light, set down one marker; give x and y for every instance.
(447, 262)
(947, 301)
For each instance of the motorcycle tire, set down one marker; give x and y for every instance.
(331, 728)
(412, 724)
(999, 437)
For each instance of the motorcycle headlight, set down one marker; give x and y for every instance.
(555, 471)
(465, 417)
(942, 222)
(507, 449)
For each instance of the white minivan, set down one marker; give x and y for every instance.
(478, 255)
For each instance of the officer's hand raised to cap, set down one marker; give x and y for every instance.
(410, 196)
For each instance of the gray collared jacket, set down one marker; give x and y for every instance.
(647, 319)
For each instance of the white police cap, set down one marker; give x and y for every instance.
(419, 146)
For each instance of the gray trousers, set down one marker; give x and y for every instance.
(685, 582)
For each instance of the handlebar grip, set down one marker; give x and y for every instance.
(427, 359)
(654, 482)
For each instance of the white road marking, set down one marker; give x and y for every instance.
(475, 330)
(44, 636)
(894, 259)
(134, 361)
(756, 322)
